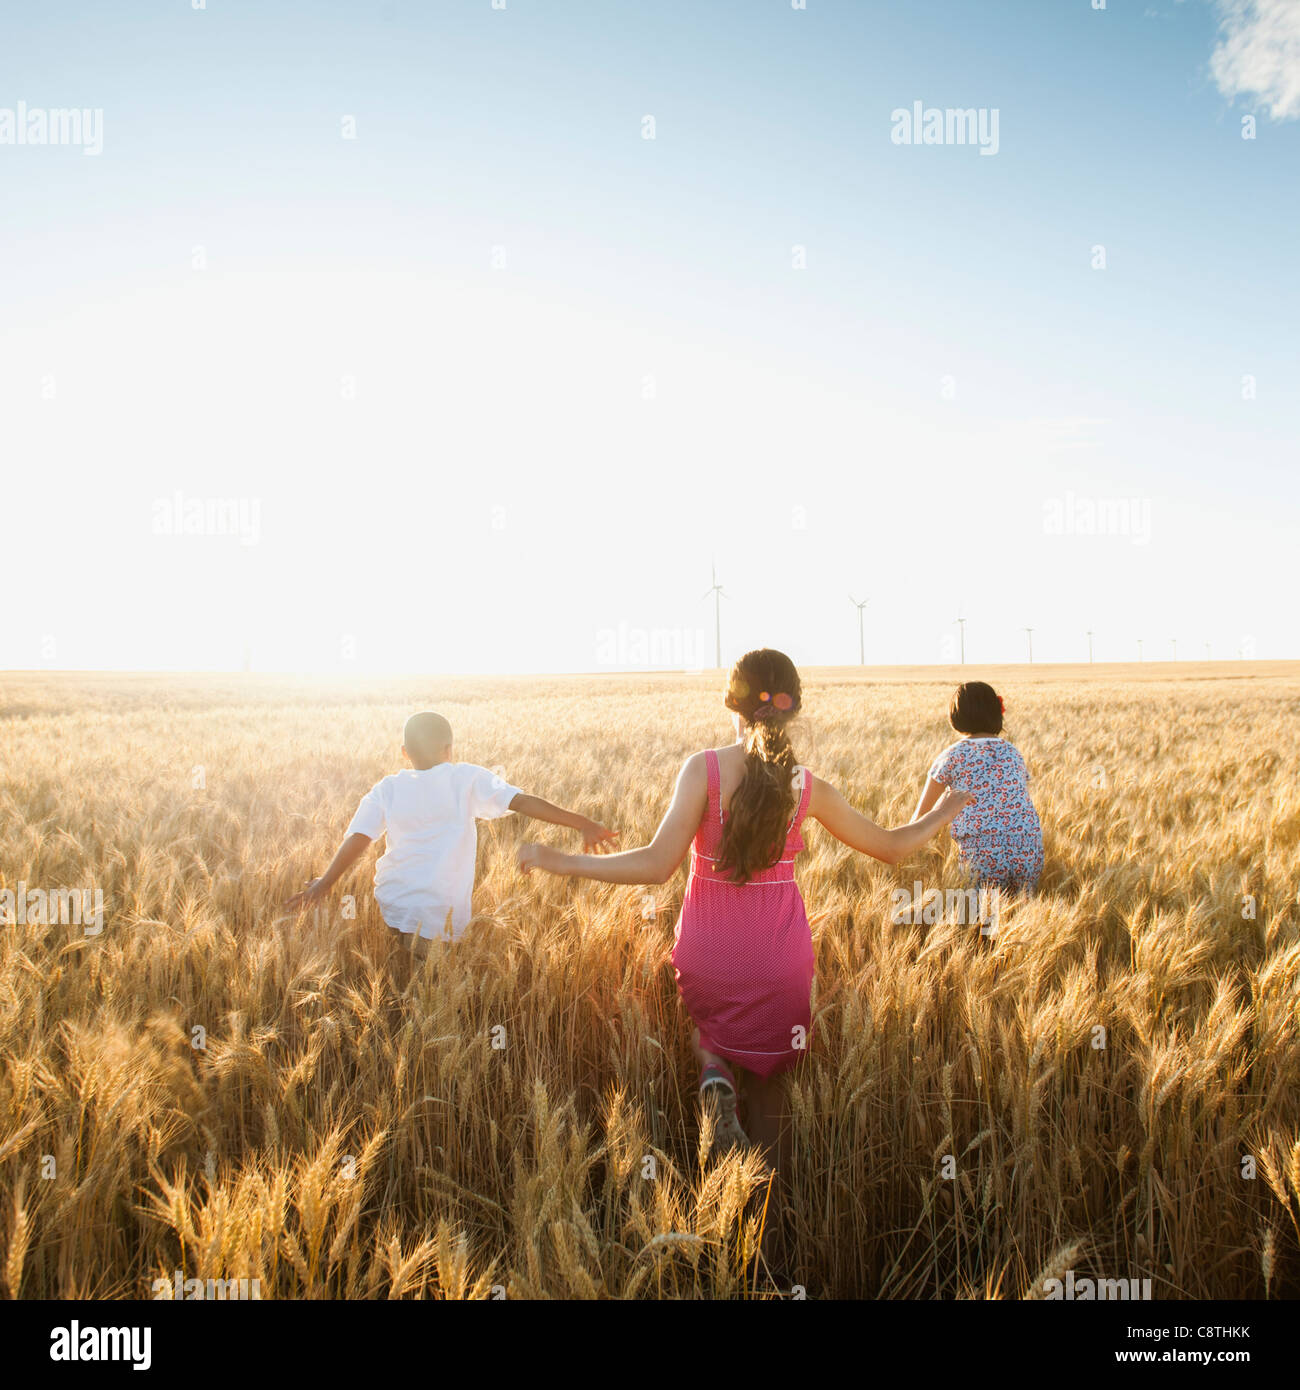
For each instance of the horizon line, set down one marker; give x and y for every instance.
(603, 672)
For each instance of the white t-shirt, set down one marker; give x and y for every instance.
(429, 818)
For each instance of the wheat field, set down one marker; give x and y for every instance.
(210, 1086)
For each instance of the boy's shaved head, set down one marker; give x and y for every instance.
(426, 736)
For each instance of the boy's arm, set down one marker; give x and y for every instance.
(348, 853)
(593, 834)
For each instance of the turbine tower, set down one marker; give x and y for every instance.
(1029, 631)
(1090, 637)
(961, 623)
(1139, 649)
(1173, 642)
(862, 645)
(716, 590)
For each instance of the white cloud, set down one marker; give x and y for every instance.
(1258, 54)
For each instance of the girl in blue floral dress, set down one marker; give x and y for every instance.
(998, 835)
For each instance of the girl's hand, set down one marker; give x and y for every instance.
(532, 857)
(595, 838)
(310, 895)
(954, 802)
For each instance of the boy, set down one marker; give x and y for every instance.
(428, 814)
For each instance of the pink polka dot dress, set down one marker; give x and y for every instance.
(743, 954)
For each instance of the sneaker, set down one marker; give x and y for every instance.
(718, 1098)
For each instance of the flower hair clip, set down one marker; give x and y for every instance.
(772, 704)
(1002, 705)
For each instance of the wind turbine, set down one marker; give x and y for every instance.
(1139, 649)
(1030, 632)
(716, 590)
(961, 623)
(1090, 637)
(862, 647)
(1173, 642)
(1207, 651)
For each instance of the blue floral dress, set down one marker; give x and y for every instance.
(998, 835)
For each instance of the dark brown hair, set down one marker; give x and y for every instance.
(764, 690)
(976, 709)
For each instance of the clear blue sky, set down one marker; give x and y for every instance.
(446, 464)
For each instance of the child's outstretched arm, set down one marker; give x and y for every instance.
(655, 862)
(930, 793)
(861, 833)
(348, 853)
(593, 834)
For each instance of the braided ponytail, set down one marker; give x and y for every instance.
(764, 689)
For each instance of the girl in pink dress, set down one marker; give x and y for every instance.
(743, 954)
